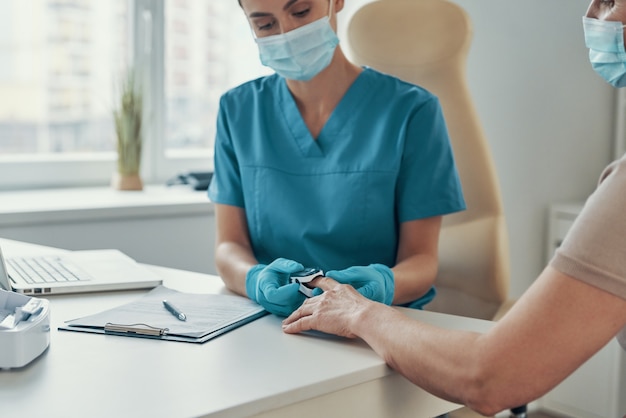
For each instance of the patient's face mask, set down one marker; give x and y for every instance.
(605, 40)
(302, 53)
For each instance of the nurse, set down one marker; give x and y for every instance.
(326, 164)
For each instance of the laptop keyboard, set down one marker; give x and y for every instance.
(47, 269)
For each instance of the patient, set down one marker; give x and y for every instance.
(574, 308)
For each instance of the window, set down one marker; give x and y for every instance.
(208, 48)
(59, 64)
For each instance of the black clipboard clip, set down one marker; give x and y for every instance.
(135, 329)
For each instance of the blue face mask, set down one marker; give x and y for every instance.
(302, 53)
(605, 40)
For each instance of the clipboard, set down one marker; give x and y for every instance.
(208, 316)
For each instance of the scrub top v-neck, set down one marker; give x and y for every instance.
(383, 158)
(339, 120)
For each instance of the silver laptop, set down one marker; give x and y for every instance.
(74, 272)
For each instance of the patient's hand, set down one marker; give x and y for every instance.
(335, 311)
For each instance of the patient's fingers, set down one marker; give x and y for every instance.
(324, 283)
(305, 309)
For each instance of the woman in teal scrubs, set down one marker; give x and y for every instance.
(326, 164)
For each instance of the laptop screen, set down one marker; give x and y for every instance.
(4, 276)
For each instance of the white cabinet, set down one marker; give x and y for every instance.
(598, 388)
(560, 220)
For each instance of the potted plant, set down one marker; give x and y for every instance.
(129, 131)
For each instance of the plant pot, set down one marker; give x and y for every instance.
(126, 181)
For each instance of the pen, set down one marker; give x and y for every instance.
(174, 310)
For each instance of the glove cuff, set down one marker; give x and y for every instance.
(419, 303)
(387, 273)
(252, 277)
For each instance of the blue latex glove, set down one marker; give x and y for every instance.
(375, 281)
(268, 285)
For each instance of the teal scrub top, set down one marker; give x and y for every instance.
(383, 158)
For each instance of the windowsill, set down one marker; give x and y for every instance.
(99, 203)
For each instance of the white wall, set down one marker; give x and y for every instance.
(546, 114)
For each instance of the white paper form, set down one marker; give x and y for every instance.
(206, 313)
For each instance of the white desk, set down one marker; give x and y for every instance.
(253, 370)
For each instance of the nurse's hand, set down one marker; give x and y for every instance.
(268, 285)
(375, 281)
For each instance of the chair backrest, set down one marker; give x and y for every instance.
(425, 42)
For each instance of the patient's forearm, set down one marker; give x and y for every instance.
(443, 362)
(555, 327)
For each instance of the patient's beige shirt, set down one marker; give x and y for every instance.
(594, 250)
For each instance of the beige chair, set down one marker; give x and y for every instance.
(425, 42)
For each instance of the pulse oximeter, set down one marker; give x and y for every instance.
(305, 276)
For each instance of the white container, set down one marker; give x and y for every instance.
(29, 338)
